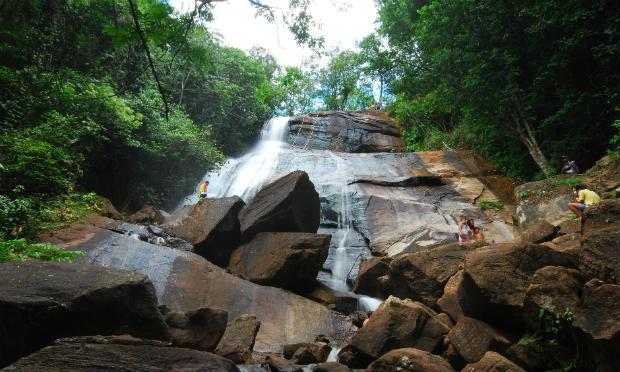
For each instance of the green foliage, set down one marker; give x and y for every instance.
(27, 216)
(295, 90)
(490, 204)
(464, 69)
(552, 338)
(80, 109)
(551, 325)
(615, 142)
(567, 181)
(20, 250)
(15, 215)
(339, 79)
(524, 195)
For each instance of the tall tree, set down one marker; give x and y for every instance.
(378, 63)
(536, 72)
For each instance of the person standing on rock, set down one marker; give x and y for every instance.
(585, 199)
(465, 232)
(202, 191)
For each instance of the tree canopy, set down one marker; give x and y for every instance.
(524, 82)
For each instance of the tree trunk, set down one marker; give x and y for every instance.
(526, 135)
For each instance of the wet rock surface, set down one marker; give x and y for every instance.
(120, 353)
(212, 226)
(42, 301)
(396, 219)
(346, 131)
(288, 204)
(284, 260)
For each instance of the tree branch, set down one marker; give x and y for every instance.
(134, 14)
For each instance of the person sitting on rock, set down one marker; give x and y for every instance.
(202, 192)
(465, 232)
(585, 199)
(478, 234)
(569, 166)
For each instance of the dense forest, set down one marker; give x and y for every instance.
(134, 101)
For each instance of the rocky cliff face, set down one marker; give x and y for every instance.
(399, 202)
(345, 131)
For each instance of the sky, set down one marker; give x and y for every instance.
(235, 21)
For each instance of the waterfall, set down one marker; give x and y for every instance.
(342, 262)
(331, 175)
(244, 176)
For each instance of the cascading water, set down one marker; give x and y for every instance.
(244, 176)
(342, 265)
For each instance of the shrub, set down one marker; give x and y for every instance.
(569, 181)
(21, 250)
(490, 203)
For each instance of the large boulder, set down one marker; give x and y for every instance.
(421, 276)
(599, 319)
(372, 278)
(409, 360)
(600, 256)
(331, 367)
(343, 302)
(502, 273)
(472, 338)
(120, 353)
(461, 298)
(493, 362)
(147, 214)
(307, 352)
(288, 204)
(199, 329)
(539, 232)
(345, 131)
(185, 281)
(398, 324)
(43, 301)
(594, 306)
(542, 200)
(281, 259)
(237, 343)
(553, 289)
(212, 226)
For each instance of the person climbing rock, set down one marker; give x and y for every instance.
(465, 232)
(202, 191)
(569, 166)
(585, 199)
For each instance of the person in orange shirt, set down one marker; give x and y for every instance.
(202, 191)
